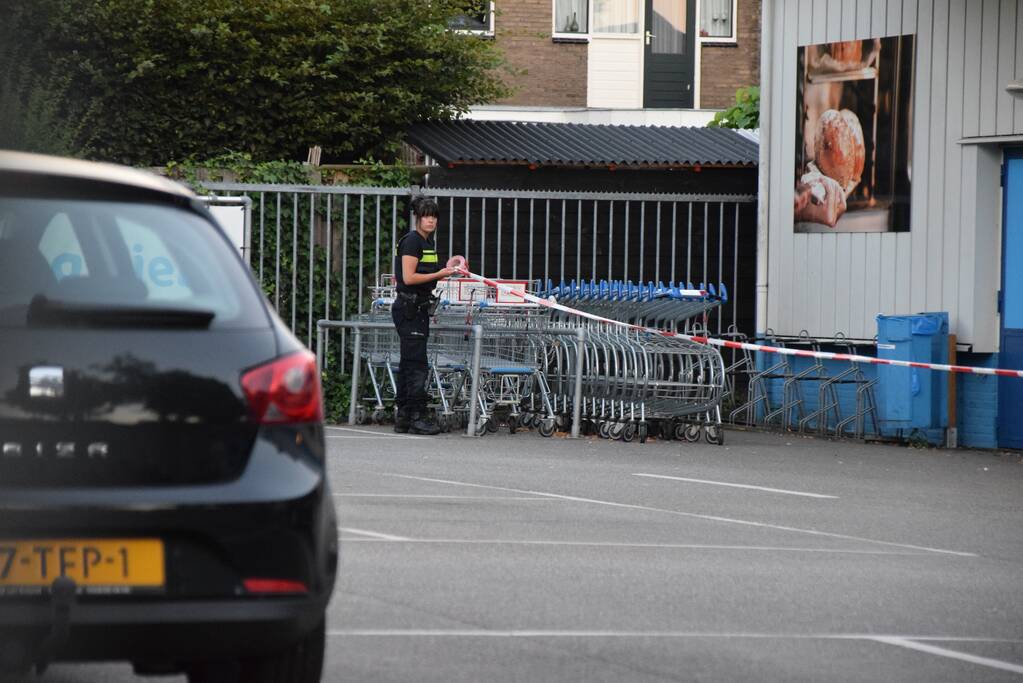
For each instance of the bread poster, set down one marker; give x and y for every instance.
(854, 136)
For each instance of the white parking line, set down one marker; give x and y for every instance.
(416, 495)
(945, 652)
(738, 486)
(374, 534)
(487, 633)
(378, 434)
(713, 518)
(653, 546)
(351, 437)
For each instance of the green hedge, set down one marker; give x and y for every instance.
(145, 81)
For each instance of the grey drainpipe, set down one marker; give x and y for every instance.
(763, 203)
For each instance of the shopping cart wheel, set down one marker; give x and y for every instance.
(547, 428)
(628, 432)
(690, 433)
(492, 425)
(644, 432)
(444, 422)
(602, 430)
(513, 423)
(714, 434)
(615, 431)
(360, 415)
(481, 426)
(378, 416)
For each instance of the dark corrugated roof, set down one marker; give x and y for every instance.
(581, 144)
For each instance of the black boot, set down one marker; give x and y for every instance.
(423, 423)
(401, 421)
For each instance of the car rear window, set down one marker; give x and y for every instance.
(112, 253)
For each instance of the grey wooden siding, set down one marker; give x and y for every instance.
(967, 51)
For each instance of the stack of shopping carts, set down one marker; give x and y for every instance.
(512, 385)
(641, 380)
(636, 381)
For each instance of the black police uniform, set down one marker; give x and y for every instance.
(411, 315)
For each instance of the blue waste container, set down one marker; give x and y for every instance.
(913, 398)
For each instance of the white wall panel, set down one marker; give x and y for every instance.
(989, 87)
(834, 27)
(778, 258)
(955, 232)
(827, 285)
(879, 18)
(819, 25)
(920, 208)
(903, 272)
(935, 172)
(971, 69)
(848, 20)
(893, 25)
(862, 19)
(889, 257)
(909, 12)
(1017, 102)
(1006, 63)
(615, 73)
(967, 50)
(843, 274)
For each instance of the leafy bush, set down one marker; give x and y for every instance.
(745, 113)
(144, 81)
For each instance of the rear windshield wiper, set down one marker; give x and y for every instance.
(46, 312)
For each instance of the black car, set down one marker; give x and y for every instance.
(163, 489)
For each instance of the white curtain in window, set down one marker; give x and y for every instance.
(570, 16)
(716, 18)
(615, 16)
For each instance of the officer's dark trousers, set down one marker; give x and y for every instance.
(413, 325)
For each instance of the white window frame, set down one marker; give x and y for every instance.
(590, 33)
(582, 36)
(725, 40)
(488, 32)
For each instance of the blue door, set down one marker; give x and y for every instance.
(1010, 390)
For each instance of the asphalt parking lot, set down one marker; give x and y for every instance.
(773, 558)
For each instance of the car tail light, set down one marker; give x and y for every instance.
(275, 586)
(284, 390)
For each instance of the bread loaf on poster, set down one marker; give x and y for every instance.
(838, 147)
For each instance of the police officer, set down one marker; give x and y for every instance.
(417, 270)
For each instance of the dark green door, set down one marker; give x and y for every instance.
(670, 39)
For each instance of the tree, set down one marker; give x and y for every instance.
(745, 113)
(147, 81)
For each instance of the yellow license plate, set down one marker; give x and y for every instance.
(108, 562)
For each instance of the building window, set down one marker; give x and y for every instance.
(616, 16)
(717, 21)
(571, 18)
(477, 17)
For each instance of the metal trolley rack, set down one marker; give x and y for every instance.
(525, 365)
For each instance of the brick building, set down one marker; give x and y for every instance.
(588, 56)
(726, 66)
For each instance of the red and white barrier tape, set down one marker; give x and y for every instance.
(826, 355)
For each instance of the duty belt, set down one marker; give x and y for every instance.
(421, 301)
